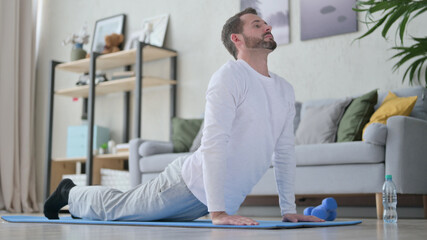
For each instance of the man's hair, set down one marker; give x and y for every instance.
(234, 25)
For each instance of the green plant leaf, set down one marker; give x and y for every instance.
(381, 21)
(398, 54)
(405, 59)
(421, 68)
(393, 18)
(378, 6)
(404, 75)
(425, 77)
(403, 26)
(413, 68)
(421, 11)
(390, 11)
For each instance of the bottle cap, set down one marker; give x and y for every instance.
(387, 177)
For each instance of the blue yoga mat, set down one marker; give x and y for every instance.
(192, 224)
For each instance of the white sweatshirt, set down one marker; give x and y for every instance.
(248, 126)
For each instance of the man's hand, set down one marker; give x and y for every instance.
(222, 218)
(300, 218)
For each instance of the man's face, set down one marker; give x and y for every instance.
(257, 33)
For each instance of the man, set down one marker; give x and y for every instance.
(248, 125)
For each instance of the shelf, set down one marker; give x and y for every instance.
(126, 84)
(118, 156)
(56, 167)
(117, 59)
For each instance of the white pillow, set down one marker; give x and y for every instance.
(319, 123)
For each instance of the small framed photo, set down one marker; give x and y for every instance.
(155, 29)
(104, 27)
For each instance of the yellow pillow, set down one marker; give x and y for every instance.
(392, 106)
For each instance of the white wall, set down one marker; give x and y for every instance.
(327, 67)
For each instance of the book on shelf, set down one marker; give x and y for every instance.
(122, 147)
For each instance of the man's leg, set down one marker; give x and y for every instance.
(165, 197)
(58, 199)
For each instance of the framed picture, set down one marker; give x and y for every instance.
(155, 29)
(104, 27)
(327, 18)
(275, 13)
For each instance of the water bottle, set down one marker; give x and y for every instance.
(389, 200)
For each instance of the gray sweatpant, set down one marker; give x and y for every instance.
(166, 197)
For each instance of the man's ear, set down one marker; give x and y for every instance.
(235, 38)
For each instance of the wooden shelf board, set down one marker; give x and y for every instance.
(76, 159)
(118, 156)
(120, 85)
(117, 59)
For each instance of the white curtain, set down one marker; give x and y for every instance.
(17, 84)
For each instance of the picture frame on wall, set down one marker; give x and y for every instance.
(327, 18)
(104, 27)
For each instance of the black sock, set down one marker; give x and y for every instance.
(58, 199)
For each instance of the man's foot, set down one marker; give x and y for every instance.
(58, 199)
(74, 217)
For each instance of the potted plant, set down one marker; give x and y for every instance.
(77, 40)
(391, 12)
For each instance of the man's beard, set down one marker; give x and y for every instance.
(252, 42)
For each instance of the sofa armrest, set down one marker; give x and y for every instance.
(406, 154)
(134, 171)
(149, 148)
(139, 148)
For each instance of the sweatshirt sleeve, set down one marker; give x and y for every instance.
(285, 163)
(220, 111)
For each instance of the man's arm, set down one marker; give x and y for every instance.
(284, 163)
(222, 99)
(284, 168)
(221, 104)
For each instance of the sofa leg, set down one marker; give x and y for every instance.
(425, 205)
(379, 205)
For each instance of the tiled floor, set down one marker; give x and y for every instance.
(369, 229)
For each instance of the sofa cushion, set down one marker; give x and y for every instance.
(420, 108)
(316, 103)
(339, 153)
(356, 117)
(319, 124)
(331, 179)
(197, 142)
(157, 163)
(183, 133)
(376, 133)
(340, 179)
(392, 106)
(297, 118)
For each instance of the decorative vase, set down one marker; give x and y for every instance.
(77, 52)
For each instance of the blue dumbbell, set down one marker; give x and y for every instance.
(330, 204)
(307, 211)
(326, 211)
(332, 215)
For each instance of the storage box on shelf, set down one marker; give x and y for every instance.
(63, 166)
(55, 168)
(117, 179)
(77, 143)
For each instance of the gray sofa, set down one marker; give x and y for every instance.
(357, 167)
